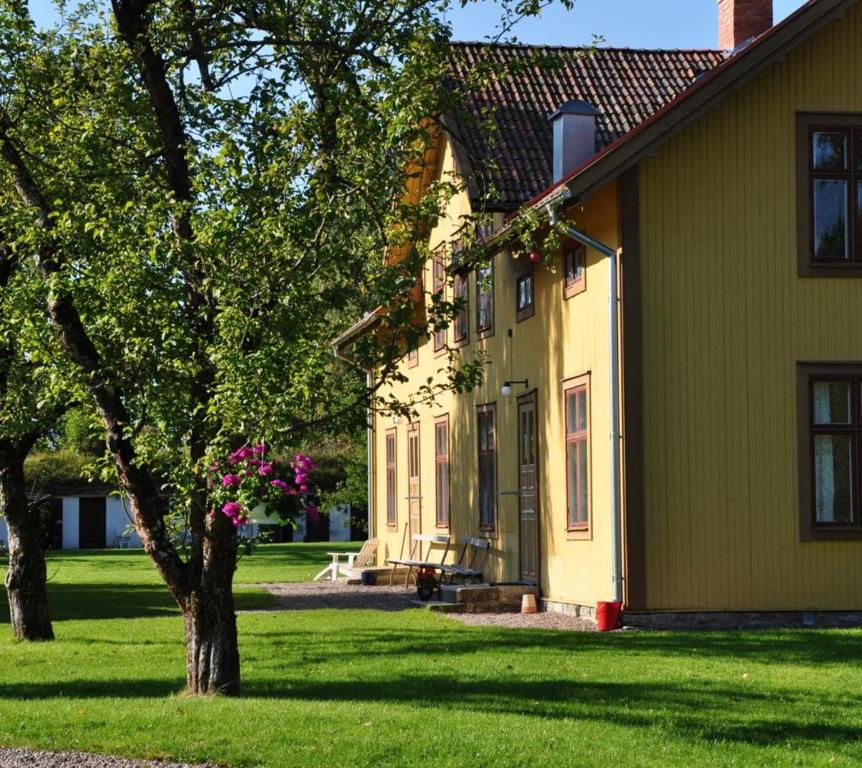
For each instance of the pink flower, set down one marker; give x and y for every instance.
(303, 488)
(281, 485)
(260, 449)
(240, 454)
(264, 470)
(232, 509)
(214, 467)
(231, 481)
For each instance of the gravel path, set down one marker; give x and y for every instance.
(27, 758)
(337, 594)
(543, 620)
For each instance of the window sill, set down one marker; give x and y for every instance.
(832, 533)
(808, 269)
(574, 289)
(579, 534)
(524, 314)
(485, 333)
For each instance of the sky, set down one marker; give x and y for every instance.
(622, 23)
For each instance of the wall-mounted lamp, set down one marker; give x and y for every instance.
(506, 389)
(396, 419)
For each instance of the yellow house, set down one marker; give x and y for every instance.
(672, 410)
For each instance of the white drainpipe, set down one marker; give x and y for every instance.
(613, 319)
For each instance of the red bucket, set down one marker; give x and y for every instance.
(608, 615)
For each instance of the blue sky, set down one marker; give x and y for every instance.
(629, 23)
(623, 23)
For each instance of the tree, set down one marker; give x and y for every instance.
(210, 189)
(26, 413)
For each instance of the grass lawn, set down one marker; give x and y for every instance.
(333, 688)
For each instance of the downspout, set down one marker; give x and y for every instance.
(613, 322)
(369, 442)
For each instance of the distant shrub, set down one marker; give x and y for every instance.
(45, 469)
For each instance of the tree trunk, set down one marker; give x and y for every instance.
(26, 577)
(212, 650)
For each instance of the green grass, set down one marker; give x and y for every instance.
(364, 688)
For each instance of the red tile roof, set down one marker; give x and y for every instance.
(504, 131)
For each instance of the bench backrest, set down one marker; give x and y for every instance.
(432, 540)
(474, 553)
(366, 555)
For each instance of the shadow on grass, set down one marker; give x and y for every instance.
(123, 601)
(692, 710)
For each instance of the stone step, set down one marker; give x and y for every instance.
(485, 594)
(436, 606)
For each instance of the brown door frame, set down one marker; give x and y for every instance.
(530, 397)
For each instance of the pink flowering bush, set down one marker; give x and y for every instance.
(250, 478)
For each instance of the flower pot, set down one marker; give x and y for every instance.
(425, 592)
(368, 578)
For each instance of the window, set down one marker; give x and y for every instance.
(524, 293)
(438, 282)
(441, 459)
(486, 417)
(461, 294)
(574, 271)
(413, 357)
(577, 403)
(829, 189)
(484, 300)
(391, 481)
(830, 434)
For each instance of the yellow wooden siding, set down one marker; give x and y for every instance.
(562, 340)
(725, 320)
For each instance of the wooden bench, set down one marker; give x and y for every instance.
(417, 540)
(471, 562)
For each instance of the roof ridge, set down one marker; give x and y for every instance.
(542, 46)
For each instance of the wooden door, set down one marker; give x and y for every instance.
(528, 502)
(414, 490)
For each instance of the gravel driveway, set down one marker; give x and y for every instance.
(337, 594)
(27, 758)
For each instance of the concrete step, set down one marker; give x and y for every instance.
(436, 606)
(485, 594)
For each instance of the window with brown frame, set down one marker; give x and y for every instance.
(577, 404)
(461, 294)
(438, 283)
(441, 470)
(524, 292)
(486, 419)
(829, 189)
(391, 481)
(574, 271)
(413, 357)
(830, 451)
(484, 300)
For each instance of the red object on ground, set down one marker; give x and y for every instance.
(608, 616)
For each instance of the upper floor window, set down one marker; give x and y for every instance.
(413, 357)
(830, 463)
(461, 294)
(829, 190)
(438, 282)
(524, 292)
(485, 300)
(574, 271)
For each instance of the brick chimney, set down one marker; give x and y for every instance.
(740, 20)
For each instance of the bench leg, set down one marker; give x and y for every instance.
(325, 571)
(392, 576)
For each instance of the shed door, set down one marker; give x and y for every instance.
(414, 490)
(91, 522)
(528, 489)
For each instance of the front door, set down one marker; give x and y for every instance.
(92, 531)
(528, 507)
(414, 491)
